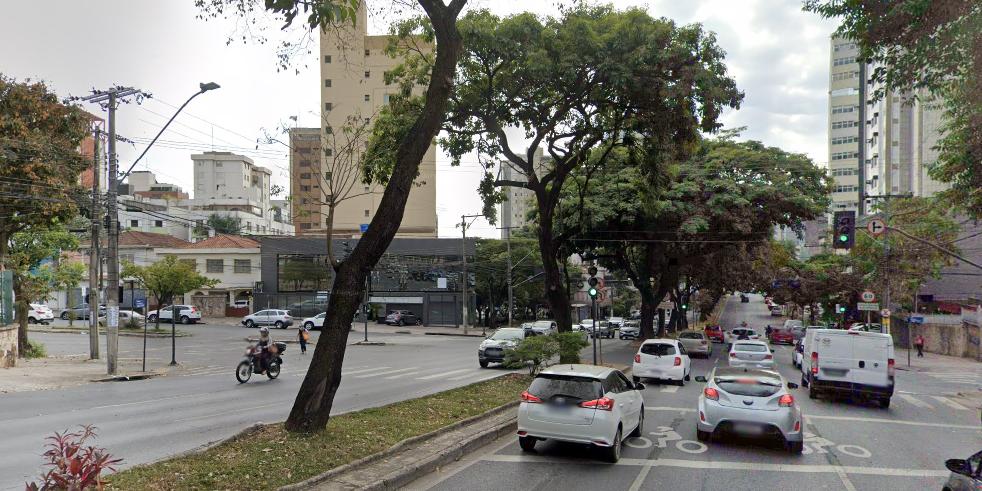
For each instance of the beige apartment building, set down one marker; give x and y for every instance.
(520, 201)
(845, 124)
(353, 88)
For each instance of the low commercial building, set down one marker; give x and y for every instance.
(232, 260)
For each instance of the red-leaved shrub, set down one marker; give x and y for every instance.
(73, 465)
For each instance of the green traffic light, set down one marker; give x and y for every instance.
(593, 292)
(843, 238)
(685, 307)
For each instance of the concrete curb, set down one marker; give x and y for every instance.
(425, 466)
(179, 334)
(128, 377)
(454, 334)
(368, 343)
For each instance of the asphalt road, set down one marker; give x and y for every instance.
(849, 446)
(146, 420)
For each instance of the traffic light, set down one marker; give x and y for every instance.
(592, 292)
(685, 306)
(840, 309)
(593, 282)
(844, 230)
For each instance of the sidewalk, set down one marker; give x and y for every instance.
(933, 362)
(68, 371)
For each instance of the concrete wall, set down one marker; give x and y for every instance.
(960, 340)
(8, 346)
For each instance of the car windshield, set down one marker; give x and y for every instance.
(503, 335)
(547, 386)
(749, 386)
(738, 332)
(658, 349)
(543, 323)
(690, 335)
(752, 348)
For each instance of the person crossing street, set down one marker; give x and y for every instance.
(303, 335)
(919, 344)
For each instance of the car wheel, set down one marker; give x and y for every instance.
(249, 323)
(400, 323)
(527, 443)
(613, 453)
(640, 428)
(185, 319)
(419, 322)
(794, 447)
(703, 436)
(636, 379)
(279, 325)
(884, 403)
(31, 320)
(64, 316)
(483, 363)
(680, 382)
(688, 377)
(812, 392)
(152, 318)
(309, 326)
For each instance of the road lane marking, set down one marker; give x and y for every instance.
(387, 372)
(444, 374)
(843, 418)
(401, 375)
(638, 481)
(355, 372)
(150, 400)
(950, 403)
(670, 389)
(915, 401)
(223, 413)
(730, 465)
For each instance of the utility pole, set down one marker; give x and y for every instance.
(511, 296)
(463, 262)
(96, 216)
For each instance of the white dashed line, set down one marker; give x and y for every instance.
(387, 372)
(671, 389)
(915, 401)
(950, 403)
(444, 374)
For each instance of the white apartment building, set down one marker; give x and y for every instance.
(845, 128)
(519, 201)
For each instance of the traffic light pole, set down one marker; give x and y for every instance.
(593, 313)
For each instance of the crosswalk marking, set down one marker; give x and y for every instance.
(671, 389)
(950, 403)
(915, 401)
(444, 374)
(387, 372)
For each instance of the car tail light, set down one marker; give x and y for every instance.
(768, 357)
(814, 363)
(787, 400)
(526, 397)
(732, 354)
(711, 393)
(603, 404)
(797, 426)
(523, 433)
(637, 358)
(702, 417)
(194, 309)
(891, 367)
(678, 361)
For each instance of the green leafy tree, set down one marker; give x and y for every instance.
(33, 281)
(39, 158)
(927, 49)
(532, 352)
(166, 279)
(225, 224)
(67, 276)
(580, 86)
(491, 273)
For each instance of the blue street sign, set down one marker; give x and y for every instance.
(917, 319)
(140, 303)
(364, 227)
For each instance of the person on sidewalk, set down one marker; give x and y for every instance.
(303, 335)
(919, 344)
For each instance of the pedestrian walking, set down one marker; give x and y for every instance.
(919, 344)
(303, 335)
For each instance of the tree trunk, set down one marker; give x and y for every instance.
(22, 305)
(312, 408)
(552, 275)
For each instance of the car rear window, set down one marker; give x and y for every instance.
(749, 386)
(753, 348)
(547, 386)
(690, 335)
(658, 349)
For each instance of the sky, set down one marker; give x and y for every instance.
(778, 55)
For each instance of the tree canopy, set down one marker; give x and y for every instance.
(167, 278)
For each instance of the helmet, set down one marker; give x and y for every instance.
(264, 330)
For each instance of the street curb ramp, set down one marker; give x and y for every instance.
(420, 468)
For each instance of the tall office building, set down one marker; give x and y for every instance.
(305, 179)
(353, 90)
(845, 134)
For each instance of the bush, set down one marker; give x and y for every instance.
(132, 323)
(35, 350)
(72, 464)
(569, 346)
(531, 352)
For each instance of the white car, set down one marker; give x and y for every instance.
(664, 359)
(39, 313)
(751, 354)
(492, 349)
(187, 314)
(314, 322)
(615, 322)
(279, 319)
(586, 404)
(854, 363)
(737, 332)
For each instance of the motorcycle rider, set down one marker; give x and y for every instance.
(264, 343)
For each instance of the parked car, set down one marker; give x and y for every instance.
(186, 314)
(715, 334)
(664, 359)
(777, 311)
(630, 330)
(696, 342)
(792, 323)
(585, 404)
(751, 354)
(39, 313)
(781, 336)
(279, 319)
(750, 403)
(856, 363)
(80, 311)
(314, 322)
(492, 349)
(966, 475)
(615, 322)
(402, 317)
(125, 316)
(603, 329)
(541, 327)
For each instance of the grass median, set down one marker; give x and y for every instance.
(273, 457)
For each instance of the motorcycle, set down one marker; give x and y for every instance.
(250, 364)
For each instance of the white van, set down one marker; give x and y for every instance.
(851, 362)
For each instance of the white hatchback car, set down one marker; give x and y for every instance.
(587, 404)
(751, 354)
(664, 359)
(314, 322)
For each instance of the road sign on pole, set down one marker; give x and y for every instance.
(868, 306)
(868, 296)
(917, 319)
(876, 227)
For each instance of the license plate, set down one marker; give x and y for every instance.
(748, 429)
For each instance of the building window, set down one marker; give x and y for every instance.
(127, 258)
(844, 139)
(305, 226)
(305, 188)
(844, 172)
(366, 189)
(367, 98)
(845, 155)
(328, 106)
(327, 82)
(158, 223)
(844, 124)
(367, 212)
(844, 109)
(385, 98)
(328, 152)
(846, 189)
(214, 265)
(845, 46)
(305, 175)
(368, 52)
(368, 74)
(134, 223)
(848, 60)
(327, 58)
(845, 75)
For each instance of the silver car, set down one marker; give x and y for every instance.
(751, 354)
(750, 403)
(965, 474)
(696, 343)
(630, 330)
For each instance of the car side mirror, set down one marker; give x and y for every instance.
(701, 378)
(958, 466)
(639, 386)
(792, 385)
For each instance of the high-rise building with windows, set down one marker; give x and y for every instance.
(845, 135)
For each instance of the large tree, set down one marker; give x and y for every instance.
(491, 273)
(39, 158)
(932, 49)
(578, 86)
